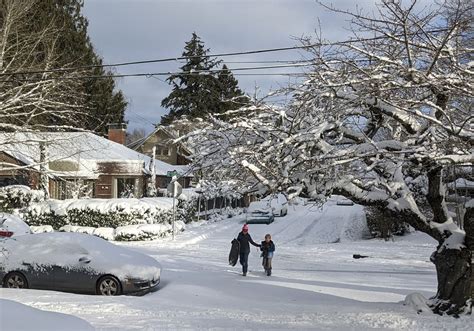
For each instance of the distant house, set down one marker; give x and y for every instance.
(82, 161)
(166, 150)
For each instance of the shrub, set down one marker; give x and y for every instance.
(111, 213)
(186, 209)
(383, 224)
(18, 196)
(147, 231)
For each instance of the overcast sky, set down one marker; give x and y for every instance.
(131, 30)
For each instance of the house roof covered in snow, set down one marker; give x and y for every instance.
(78, 153)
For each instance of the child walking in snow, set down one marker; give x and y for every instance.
(267, 247)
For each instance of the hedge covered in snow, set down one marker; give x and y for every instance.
(99, 213)
(111, 219)
(18, 196)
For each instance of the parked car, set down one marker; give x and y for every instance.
(259, 217)
(75, 262)
(11, 225)
(341, 201)
(277, 204)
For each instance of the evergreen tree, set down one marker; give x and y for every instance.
(102, 103)
(196, 93)
(231, 96)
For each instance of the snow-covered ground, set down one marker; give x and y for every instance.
(316, 284)
(20, 317)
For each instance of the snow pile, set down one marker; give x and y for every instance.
(147, 231)
(418, 302)
(335, 223)
(18, 317)
(217, 215)
(41, 229)
(104, 233)
(128, 232)
(77, 229)
(129, 205)
(355, 227)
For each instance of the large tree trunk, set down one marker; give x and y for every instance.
(456, 274)
(454, 268)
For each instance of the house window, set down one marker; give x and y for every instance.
(73, 189)
(162, 150)
(127, 187)
(19, 180)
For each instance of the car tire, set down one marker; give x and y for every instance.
(109, 285)
(15, 280)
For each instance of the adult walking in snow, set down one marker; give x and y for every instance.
(267, 247)
(245, 239)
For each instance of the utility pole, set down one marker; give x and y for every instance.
(44, 180)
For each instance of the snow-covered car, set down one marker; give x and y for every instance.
(341, 201)
(75, 262)
(259, 217)
(11, 225)
(276, 203)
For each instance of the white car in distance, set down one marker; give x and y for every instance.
(276, 203)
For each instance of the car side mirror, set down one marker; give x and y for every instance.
(85, 259)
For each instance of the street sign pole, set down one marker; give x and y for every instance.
(175, 189)
(174, 214)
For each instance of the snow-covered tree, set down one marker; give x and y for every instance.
(378, 119)
(36, 38)
(32, 101)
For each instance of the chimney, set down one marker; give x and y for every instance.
(117, 132)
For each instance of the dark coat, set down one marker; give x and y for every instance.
(245, 239)
(267, 247)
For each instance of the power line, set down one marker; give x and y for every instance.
(268, 61)
(173, 59)
(151, 75)
(189, 73)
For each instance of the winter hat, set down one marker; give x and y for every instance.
(245, 227)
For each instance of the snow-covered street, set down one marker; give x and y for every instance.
(316, 283)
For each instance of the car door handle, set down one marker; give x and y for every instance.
(85, 259)
(26, 264)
